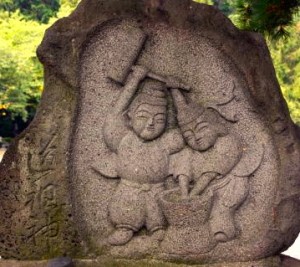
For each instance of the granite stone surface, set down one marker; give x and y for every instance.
(283, 261)
(162, 136)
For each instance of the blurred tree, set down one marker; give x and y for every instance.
(225, 6)
(279, 21)
(69, 3)
(272, 18)
(269, 17)
(21, 74)
(39, 10)
(286, 58)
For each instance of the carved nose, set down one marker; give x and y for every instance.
(151, 122)
(198, 136)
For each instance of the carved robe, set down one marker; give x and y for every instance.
(143, 168)
(228, 190)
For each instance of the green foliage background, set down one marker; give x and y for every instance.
(279, 22)
(39, 10)
(23, 23)
(21, 74)
(286, 59)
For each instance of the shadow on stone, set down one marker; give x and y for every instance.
(61, 262)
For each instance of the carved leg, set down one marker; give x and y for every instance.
(222, 224)
(120, 237)
(221, 220)
(226, 201)
(155, 220)
(127, 213)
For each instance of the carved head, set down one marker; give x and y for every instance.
(200, 127)
(202, 133)
(148, 111)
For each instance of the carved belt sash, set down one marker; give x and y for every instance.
(142, 187)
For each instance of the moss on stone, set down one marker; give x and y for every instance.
(108, 262)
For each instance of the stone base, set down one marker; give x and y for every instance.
(289, 262)
(270, 262)
(282, 261)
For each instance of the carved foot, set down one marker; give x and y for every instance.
(158, 235)
(221, 237)
(222, 226)
(120, 237)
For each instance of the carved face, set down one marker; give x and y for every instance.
(148, 121)
(200, 134)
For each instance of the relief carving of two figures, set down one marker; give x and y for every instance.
(202, 154)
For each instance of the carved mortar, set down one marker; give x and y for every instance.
(188, 229)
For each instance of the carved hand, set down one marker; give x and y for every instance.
(202, 183)
(184, 186)
(175, 83)
(139, 72)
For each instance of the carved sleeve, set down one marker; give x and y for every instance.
(223, 157)
(180, 164)
(173, 141)
(115, 124)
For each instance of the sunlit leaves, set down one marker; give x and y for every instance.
(38, 10)
(21, 74)
(272, 18)
(286, 59)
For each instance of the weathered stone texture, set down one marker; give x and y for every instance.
(56, 199)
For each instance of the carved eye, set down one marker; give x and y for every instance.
(142, 117)
(188, 135)
(142, 114)
(160, 120)
(201, 126)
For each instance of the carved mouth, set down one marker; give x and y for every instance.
(151, 129)
(199, 141)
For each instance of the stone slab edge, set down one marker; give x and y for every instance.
(282, 261)
(67, 36)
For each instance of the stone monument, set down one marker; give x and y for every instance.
(162, 137)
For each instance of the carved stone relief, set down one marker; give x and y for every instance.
(178, 154)
(141, 150)
(162, 134)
